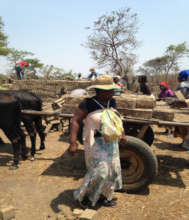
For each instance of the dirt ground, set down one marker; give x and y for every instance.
(42, 189)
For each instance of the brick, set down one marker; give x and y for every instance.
(137, 113)
(125, 102)
(7, 213)
(145, 101)
(77, 212)
(89, 214)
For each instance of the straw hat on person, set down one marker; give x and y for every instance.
(104, 82)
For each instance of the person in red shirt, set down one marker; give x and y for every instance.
(19, 67)
(165, 91)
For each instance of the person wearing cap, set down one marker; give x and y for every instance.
(19, 67)
(183, 78)
(102, 158)
(165, 91)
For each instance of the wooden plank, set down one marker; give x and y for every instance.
(40, 113)
(61, 99)
(167, 115)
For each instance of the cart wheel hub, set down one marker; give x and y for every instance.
(132, 166)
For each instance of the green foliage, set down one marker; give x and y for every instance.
(52, 72)
(68, 76)
(168, 63)
(20, 55)
(113, 40)
(46, 71)
(34, 65)
(17, 55)
(177, 51)
(3, 40)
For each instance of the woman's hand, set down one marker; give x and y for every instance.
(73, 149)
(122, 140)
(76, 122)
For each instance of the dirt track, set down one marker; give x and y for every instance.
(42, 189)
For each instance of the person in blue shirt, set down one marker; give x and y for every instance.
(183, 78)
(93, 74)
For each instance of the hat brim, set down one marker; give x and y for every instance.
(103, 87)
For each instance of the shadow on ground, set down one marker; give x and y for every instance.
(64, 137)
(64, 198)
(167, 145)
(169, 171)
(6, 149)
(6, 152)
(68, 166)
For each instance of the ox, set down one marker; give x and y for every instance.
(10, 115)
(29, 100)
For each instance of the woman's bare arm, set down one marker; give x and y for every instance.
(76, 122)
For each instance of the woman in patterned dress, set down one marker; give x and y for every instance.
(102, 158)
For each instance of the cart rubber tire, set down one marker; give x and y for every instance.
(139, 165)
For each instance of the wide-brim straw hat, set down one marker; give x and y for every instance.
(104, 82)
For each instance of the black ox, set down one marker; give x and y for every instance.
(32, 123)
(10, 115)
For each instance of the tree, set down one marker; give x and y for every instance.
(14, 56)
(3, 40)
(50, 71)
(168, 63)
(17, 55)
(154, 66)
(174, 54)
(113, 40)
(34, 66)
(46, 71)
(58, 73)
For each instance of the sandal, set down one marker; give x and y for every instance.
(109, 203)
(85, 203)
(102, 198)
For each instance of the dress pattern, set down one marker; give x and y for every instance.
(103, 168)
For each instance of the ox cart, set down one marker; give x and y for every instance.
(138, 161)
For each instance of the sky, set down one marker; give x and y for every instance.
(54, 30)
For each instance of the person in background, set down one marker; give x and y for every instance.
(144, 88)
(93, 74)
(20, 67)
(183, 78)
(165, 91)
(117, 92)
(78, 92)
(62, 92)
(117, 81)
(102, 158)
(79, 76)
